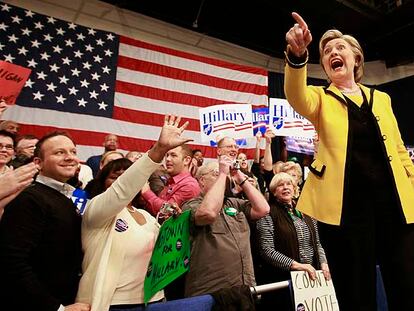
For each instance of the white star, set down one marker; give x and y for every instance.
(66, 60)
(80, 36)
(13, 38)
(63, 79)
(1, 46)
(89, 48)
(23, 50)
(91, 31)
(26, 31)
(16, 19)
(69, 42)
(84, 83)
(95, 76)
(82, 102)
(54, 67)
(86, 65)
(102, 106)
(99, 42)
(78, 54)
(57, 49)
(93, 94)
(60, 31)
(97, 58)
(73, 90)
(108, 53)
(9, 58)
(72, 26)
(5, 7)
(29, 83)
(39, 25)
(75, 72)
(38, 95)
(51, 87)
(44, 56)
(110, 36)
(60, 99)
(29, 13)
(51, 20)
(106, 69)
(35, 44)
(41, 75)
(104, 87)
(31, 63)
(3, 26)
(47, 37)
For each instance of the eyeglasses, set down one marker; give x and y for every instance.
(230, 146)
(8, 147)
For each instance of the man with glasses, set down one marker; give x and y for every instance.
(6, 150)
(220, 245)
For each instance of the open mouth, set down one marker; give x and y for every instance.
(336, 64)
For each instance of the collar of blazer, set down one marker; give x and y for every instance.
(335, 92)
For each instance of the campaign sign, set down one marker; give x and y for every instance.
(285, 121)
(313, 295)
(171, 255)
(300, 145)
(233, 120)
(260, 120)
(12, 80)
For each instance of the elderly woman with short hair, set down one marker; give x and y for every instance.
(288, 239)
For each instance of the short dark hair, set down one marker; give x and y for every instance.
(27, 136)
(38, 149)
(186, 151)
(113, 166)
(196, 150)
(8, 134)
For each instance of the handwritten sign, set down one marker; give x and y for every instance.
(313, 295)
(12, 80)
(171, 255)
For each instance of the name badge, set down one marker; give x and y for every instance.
(231, 211)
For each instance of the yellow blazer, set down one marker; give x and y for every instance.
(322, 195)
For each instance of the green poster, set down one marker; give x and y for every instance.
(171, 255)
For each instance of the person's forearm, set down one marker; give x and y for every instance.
(212, 202)
(268, 159)
(260, 207)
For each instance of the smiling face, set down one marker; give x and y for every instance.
(284, 191)
(338, 61)
(243, 160)
(58, 158)
(6, 150)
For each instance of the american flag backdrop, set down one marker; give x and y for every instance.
(91, 83)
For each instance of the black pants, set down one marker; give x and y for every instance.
(353, 253)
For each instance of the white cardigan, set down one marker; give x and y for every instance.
(103, 259)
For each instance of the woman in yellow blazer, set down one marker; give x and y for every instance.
(361, 186)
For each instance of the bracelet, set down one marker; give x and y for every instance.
(241, 184)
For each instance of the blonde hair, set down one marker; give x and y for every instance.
(289, 165)
(107, 154)
(279, 178)
(355, 47)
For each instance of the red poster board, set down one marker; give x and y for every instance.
(12, 80)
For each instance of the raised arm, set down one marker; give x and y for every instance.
(108, 204)
(268, 160)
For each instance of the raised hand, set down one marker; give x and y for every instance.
(170, 137)
(299, 36)
(269, 135)
(16, 180)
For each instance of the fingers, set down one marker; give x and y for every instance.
(184, 126)
(301, 22)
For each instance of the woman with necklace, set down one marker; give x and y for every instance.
(360, 188)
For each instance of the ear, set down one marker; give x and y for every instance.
(187, 160)
(38, 161)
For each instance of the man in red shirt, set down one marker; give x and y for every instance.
(180, 187)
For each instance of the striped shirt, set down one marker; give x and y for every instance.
(266, 238)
